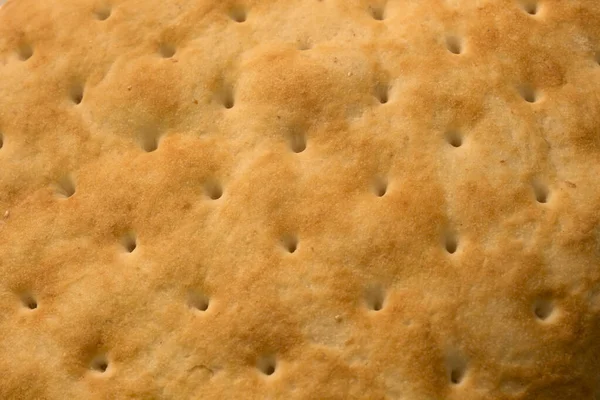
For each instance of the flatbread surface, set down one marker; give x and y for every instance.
(300, 199)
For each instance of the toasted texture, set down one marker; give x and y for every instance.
(300, 199)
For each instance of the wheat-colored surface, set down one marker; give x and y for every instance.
(300, 199)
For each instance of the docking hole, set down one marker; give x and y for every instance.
(543, 309)
(198, 301)
(451, 242)
(29, 301)
(149, 138)
(531, 7)
(238, 14)
(528, 93)
(541, 192)
(76, 93)
(456, 367)
(102, 13)
(65, 187)
(378, 13)
(167, 50)
(290, 243)
(382, 92)
(454, 138)
(454, 45)
(213, 190)
(297, 141)
(375, 297)
(380, 186)
(267, 365)
(129, 242)
(99, 363)
(24, 51)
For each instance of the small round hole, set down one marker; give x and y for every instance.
(528, 93)
(543, 309)
(454, 45)
(129, 242)
(225, 96)
(457, 368)
(382, 93)
(267, 365)
(76, 94)
(1, 140)
(531, 7)
(290, 243)
(456, 376)
(454, 138)
(102, 14)
(297, 142)
(380, 187)
(238, 14)
(304, 45)
(65, 187)
(198, 301)
(29, 302)
(203, 306)
(24, 51)
(167, 50)
(378, 13)
(375, 297)
(99, 364)
(541, 192)
(451, 243)
(270, 370)
(149, 138)
(150, 144)
(597, 58)
(228, 101)
(214, 190)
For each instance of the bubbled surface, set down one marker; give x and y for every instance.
(300, 199)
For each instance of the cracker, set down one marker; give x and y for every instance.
(300, 199)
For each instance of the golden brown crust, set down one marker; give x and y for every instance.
(303, 199)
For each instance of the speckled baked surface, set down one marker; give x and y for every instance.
(300, 199)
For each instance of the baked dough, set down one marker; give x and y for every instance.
(300, 199)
